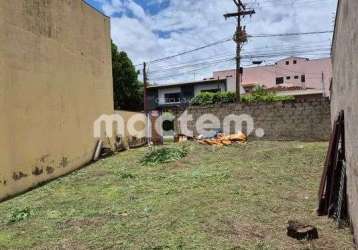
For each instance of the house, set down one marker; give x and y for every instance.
(289, 72)
(344, 95)
(179, 94)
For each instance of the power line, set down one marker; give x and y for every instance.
(189, 51)
(296, 3)
(256, 53)
(290, 34)
(276, 48)
(230, 39)
(245, 58)
(186, 72)
(198, 65)
(190, 65)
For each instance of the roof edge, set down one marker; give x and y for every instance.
(334, 39)
(95, 9)
(185, 83)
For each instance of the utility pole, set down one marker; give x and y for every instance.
(145, 82)
(148, 120)
(240, 37)
(323, 85)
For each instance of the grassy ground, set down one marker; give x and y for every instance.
(238, 197)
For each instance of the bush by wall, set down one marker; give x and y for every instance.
(207, 98)
(258, 95)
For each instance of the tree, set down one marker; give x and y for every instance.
(128, 91)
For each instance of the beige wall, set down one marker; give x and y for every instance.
(138, 127)
(306, 119)
(55, 80)
(345, 92)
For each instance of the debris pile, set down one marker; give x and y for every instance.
(224, 140)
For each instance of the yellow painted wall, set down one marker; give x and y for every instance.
(344, 95)
(139, 126)
(55, 81)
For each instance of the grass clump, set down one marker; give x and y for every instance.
(18, 215)
(164, 155)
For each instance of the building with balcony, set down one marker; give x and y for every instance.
(180, 94)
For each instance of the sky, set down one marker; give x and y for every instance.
(150, 29)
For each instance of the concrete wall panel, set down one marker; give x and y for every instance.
(345, 92)
(303, 119)
(55, 81)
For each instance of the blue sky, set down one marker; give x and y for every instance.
(150, 7)
(151, 29)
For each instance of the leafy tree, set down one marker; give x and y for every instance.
(128, 91)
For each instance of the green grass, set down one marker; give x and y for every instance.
(237, 197)
(159, 155)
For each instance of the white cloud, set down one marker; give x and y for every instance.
(188, 24)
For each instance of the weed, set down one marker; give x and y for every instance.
(19, 215)
(127, 176)
(164, 155)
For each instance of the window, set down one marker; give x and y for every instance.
(294, 61)
(211, 90)
(287, 62)
(279, 80)
(303, 78)
(296, 77)
(288, 77)
(172, 98)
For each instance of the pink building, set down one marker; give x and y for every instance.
(291, 73)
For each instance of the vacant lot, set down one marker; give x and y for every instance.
(238, 197)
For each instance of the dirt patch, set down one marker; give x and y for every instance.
(69, 244)
(100, 173)
(81, 223)
(239, 231)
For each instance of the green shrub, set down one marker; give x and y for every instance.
(225, 97)
(207, 98)
(258, 95)
(165, 154)
(19, 215)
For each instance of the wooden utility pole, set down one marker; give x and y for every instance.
(323, 85)
(148, 120)
(145, 83)
(240, 37)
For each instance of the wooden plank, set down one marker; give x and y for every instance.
(323, 193)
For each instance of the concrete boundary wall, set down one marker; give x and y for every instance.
(304, 119)
(55, 81)
(345, 94)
